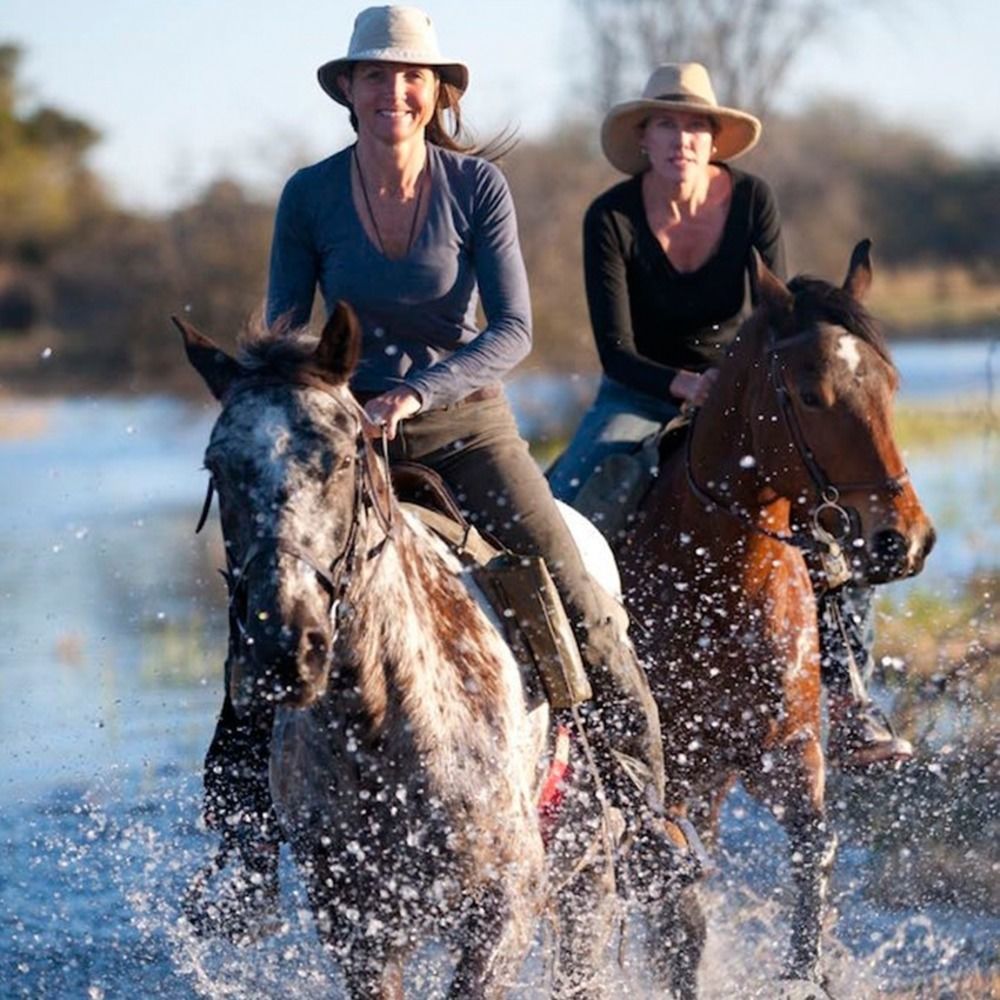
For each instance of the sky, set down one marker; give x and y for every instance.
(183, 90)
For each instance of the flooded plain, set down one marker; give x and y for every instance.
(110, 674)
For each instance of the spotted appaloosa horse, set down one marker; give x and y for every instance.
(796, 430)
(406, 749)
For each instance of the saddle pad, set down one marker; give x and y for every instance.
(613, 491)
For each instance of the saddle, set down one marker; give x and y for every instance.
(519, 587)
(611, 495)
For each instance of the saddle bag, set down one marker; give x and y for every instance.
(612, 493)
(536, 624)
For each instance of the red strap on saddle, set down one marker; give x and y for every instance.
(550, 798)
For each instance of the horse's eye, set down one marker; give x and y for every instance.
(811, 399)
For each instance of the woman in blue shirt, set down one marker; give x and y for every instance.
(410, 229)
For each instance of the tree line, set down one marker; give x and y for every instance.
(96, 283)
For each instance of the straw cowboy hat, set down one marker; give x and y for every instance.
(675, 87)
(392, 34)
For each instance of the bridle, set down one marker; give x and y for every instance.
(817, 539)
(336, 577)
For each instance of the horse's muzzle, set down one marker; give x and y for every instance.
(285, 666)
(893, 556)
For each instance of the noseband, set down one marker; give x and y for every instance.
(335, 578)
(817, 540)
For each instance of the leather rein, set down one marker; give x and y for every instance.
(336, 577)
(817, 539)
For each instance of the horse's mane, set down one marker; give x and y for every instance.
(817, 301)
(280, 346)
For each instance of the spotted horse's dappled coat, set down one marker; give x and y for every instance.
(406, 754)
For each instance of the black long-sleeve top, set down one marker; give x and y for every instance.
(649, 319)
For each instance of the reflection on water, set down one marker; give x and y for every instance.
(110, 670)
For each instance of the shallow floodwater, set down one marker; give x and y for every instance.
(110, 670)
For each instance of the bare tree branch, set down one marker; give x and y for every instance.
(748, 45)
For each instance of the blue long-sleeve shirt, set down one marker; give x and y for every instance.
(418, 313)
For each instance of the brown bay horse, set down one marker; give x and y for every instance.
(407, 747)
(793, 450)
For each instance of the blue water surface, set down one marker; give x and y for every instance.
(110, 670)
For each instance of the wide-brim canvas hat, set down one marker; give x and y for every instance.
(397, 35)
(675, 87)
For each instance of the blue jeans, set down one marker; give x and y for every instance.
(617, 421)
(846, 660)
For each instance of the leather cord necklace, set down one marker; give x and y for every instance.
(371, 213)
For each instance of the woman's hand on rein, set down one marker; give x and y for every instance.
(693, 387)
(386, 411)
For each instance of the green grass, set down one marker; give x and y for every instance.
(181, 653)
(935, 427)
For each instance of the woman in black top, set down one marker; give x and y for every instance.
(667, 258)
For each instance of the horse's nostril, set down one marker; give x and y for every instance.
(314, 654)
(890, 548)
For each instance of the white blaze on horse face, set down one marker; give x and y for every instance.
(270, 446)
(281, 467)
(847, 351)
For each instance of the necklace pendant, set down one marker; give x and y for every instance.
(418, 202)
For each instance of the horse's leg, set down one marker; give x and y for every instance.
(585, 913)
(812, 847)
(793, 788)
(675, 921)
(372, 968)
(370, 974)
(496, 935)
(675, 941)
(706, 810)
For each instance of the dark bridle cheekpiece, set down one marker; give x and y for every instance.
(336, 577)
(828, 493)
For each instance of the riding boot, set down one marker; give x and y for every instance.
(623, 725)
(860, 733)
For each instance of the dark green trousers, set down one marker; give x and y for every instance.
(476, 448)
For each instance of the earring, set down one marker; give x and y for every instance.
(643, 151)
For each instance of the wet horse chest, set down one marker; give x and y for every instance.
(722, 636)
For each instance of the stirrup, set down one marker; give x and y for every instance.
(691, 862)
(865, 737)
(664, 855)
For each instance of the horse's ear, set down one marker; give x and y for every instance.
(340, 343)
(859, 272)
(770, 290)
(211, 362)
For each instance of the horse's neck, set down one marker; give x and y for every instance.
(721, 456)
(721, 463)
(427, 660)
